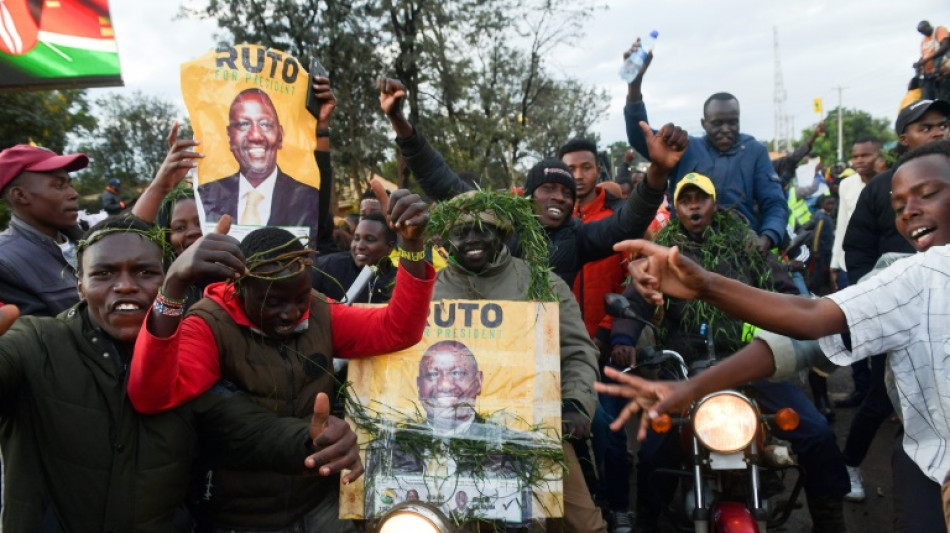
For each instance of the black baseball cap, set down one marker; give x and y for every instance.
(915, 110)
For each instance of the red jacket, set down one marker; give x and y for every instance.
(169, 372)
(599, 277)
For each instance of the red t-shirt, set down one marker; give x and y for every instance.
(167, 372)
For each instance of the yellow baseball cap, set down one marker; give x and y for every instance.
(697, 180)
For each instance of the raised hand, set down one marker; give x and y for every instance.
(215, 255)
(653, 397)
(8, 315)
(636, 45)
(392, 95)
(179, 160)
(335, 443)
(408, 216)
(663, 271)
(666, 146)
(322, 91)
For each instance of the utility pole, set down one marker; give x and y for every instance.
(840, 124)
(782, 143)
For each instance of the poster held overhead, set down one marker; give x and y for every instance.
(247, 105)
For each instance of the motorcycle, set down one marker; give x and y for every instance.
(735, 468)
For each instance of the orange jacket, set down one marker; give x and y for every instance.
(599, 277)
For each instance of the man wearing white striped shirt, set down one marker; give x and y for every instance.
(904, 310)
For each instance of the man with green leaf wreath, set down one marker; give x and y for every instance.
(474, 227)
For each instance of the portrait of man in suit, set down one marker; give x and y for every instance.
(260, 193)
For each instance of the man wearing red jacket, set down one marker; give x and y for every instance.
(596, 279)
(274, 338)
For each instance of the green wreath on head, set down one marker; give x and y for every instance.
(514, 214)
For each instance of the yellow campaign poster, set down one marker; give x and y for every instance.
(467, 420)
(247, 105)
(817, 104)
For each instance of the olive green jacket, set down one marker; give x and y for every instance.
(507, 278)
(78, 457)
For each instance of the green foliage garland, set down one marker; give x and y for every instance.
(727, 240)
(515, 210)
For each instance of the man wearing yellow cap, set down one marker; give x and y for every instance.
(722, 242)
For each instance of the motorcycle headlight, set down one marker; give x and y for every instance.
(413, 517)
(725, 421)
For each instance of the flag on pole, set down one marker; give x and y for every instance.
(57, 43)
(817, 105)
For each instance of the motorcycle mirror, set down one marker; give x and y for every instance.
(662, 424)
(616, 305)
(787, 419)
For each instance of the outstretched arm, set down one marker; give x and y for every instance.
(322, 91)
(179, 160)
(666, 271)
(657, 397)
(635, 111)
(427, 165)
(595, 239)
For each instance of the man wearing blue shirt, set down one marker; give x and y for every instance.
(737, 164)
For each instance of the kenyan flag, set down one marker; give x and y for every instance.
(57, 43)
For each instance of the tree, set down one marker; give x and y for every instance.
(480, 85)
(856, 124)
(44, 118)
(130, 141)
(343, 35)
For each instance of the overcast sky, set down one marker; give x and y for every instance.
(865, 46)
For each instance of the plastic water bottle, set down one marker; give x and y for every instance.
(634, 62)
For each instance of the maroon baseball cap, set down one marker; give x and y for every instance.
(25, 158)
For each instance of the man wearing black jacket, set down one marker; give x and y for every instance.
(550, 184)
(870, 234)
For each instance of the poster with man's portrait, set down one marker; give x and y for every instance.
(467, 420)
(247, 105)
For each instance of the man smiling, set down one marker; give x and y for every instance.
(737, 164)
(259, 193)
(63, 380)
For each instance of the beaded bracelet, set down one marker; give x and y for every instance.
(164, 309)
(174, 302)
(412, 256)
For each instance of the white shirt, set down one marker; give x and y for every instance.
(905, 310)
(266, 188)
(848, 192)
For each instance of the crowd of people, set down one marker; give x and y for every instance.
(155, 378)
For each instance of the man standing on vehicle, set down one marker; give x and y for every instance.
(736, 163)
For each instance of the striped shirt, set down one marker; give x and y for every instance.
(905, 310)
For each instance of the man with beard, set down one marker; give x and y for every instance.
(259, 193)
(737, 164)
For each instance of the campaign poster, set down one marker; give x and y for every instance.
(247, 105)
(467, 420)
(50, 44)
